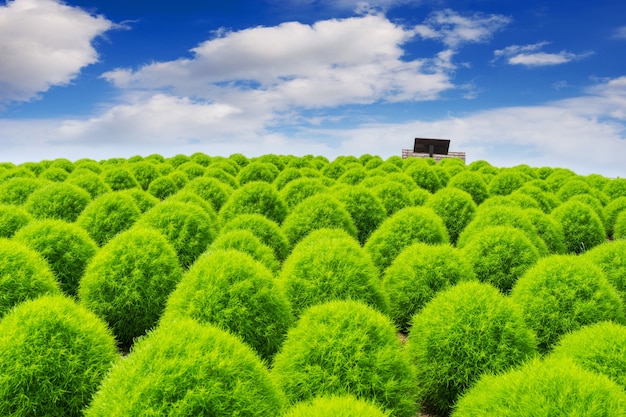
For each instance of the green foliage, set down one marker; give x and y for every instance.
(58, 201)
(128, 281)
(163, 187)
(255, 197)
(562, 293)
(89, 181)
(12, 219)
(500, 255)
(424, 176)
(548, 229)
(89, 164)
(353, 176)
(407, 226)
(145, 172)
(257, 171)
(573, 187)
(143, 200)
(298, 190)
(266, 230)
(346, 347)
(24, 275)
(619, 231)
(335, 406)
(611, 258)
(53, 355)
(54, 175)
(329, 264)
(286, 176)
(62, 163)
(118, 177)
(222, 176)
(231, 290)
(177, 160)
(393, 195)
(187, 196)
(455, 207)
(611, 211)
(333, 170)
(546, 200)
(109, 215)
(20, 172)
(366, 210)
(505, 182)
(419, 196)
(192, 170)
(211, 190)
(317, 212)
(616, 188)
(555, 387)
(247, 242)
(464, 332)
(582, 227)
(201, 159)
(17, 190)
(66, 246)
(417, 274)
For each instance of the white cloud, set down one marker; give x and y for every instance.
(620, 33)
(454, 29)
(532, 56)
(44, 43)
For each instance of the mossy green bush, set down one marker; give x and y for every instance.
(582, 228)
(58, 201)
(353, 176)
(16, 172)
(500, 255)
(619, 231)
(119, 177)
(89, 181)
(35, 167)
(65, 246)
(611, 211)
(299, 189)
(222, 176)
(547, 200)
(572, 187)
(417, 274)
(329, 264)
(229, 165)
(346, 347)
(317, 212)
(144, 172)
(336, 406)
(555, 387)
(109, 215)
(143, 200)
(17, 190)
(231, 290)
(407, 226)
(419, 196)
(404, 179)
(333, 170)
(267, 231)
(610, 256)
(592, 202)
(89, 164)
(53, 356)
(615, 188)
(424, 176)
(255, 197)
(64, 164)
(393, 196)
(599, 347)
(548, 229)
(24, 275)
(257, 171)
(558, 177)
(366, 210)
(12, 219)
(129, 280)
(286, 176)
(177, 160)
(505, 182)
(186, 226)
(455, 207)
(192, 170)
(163, 187)
(211, 190)
(464, 332)
(201, 159)
(188, 196)
(562, 293)
(247, 242)
(54, 175)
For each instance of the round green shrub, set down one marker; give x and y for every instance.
(12, 219)
(231, 290)
(611, 211)
(366, 210)
(403, 179)
(35, 167)
(58, 201)
(546, 200)
(329, 264)
(64, 164)
(278, 161)
(619, 231)
(300, 189)
(456, 208)
(177, 160)
(24, 275)
(192, 170)
(211, 190)
(317, 212)
(53, 356)
(424, 176)
(346, 347)
(229, 165)
(119, 178)
(615, 188)
(407, 226)
(19, 172)
(555, 387)
(66, 246)
(611, 258)
(419, 196)
(505, 182)
(89, 181)
(155, 157)
(266, 230)
(417, 274)
(187, 196)
(128, 281)
(222, 176)
(185, 225)
(163, 187)
(333, 170)
(144, 172)
(592, 202)
(143, 200)
(201, 158)
(336, 405)
(108, 215)
(548, 229)
(54, 174)
(257, 171)
(464, 332)
(562, 293)
(184, 368)
(286, 176)
(247, 242)
(353, 176)
(582, 228)
(17, 190)
(89, 164)
(500, 255)
(255, 197)
(558, 177)
(572, 187)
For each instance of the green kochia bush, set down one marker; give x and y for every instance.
(346, 347)
(58, 201)
(163, 187)
(24, 274)
(66, 246)
(555, 387)
(548, 229)
(89, 181)
(298, 190)
(336, 406)
(184, 368)
(17, 190)
(599, 347)
(12, 219)
(424, 176)
(612, 210)
(231, 290)
(109, 215)
(620, 226)
(582, 227)
(129, 280)
(562, 293)
(255, 197)
(393, 195)
(418, 273)
(500, 255)
(611, 258)
(407, 226)
(268, 231)
(119, 178)
(247, 242)
(211, 190)
(472, 183)
(455, 207)
(462, 333)
(53, 356)
(329, 264)
(187, 227)
(366, 210)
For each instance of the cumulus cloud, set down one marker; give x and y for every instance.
(44, 43)
(620, 33)
(532, 56)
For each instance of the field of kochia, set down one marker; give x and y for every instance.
(200, 285)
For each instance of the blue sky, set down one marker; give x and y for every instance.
(535, 82)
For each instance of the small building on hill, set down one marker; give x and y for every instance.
(437, 149)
